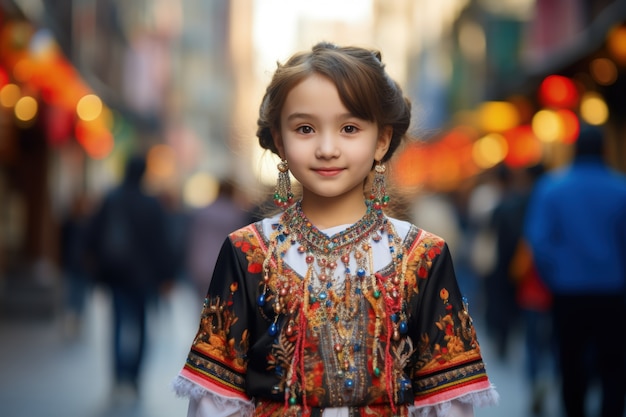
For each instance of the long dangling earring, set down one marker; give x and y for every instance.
(379, 195)
(283, 196)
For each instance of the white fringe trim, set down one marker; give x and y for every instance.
(183, 387)
(483, 398)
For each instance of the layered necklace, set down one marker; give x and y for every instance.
(334, 296)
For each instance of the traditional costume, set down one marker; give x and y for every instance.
(357, 320)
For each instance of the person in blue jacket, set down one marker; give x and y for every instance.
(576, 227)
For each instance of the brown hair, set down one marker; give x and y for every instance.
(361, 80)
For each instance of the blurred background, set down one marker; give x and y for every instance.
(498, 87)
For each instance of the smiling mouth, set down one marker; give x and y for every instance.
(328, 172)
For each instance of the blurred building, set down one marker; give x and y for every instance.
(84, 83)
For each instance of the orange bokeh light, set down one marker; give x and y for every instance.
(525, 148)
(571, 125)
(95, 138)
(439, 165)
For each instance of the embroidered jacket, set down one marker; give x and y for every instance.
(399, 335)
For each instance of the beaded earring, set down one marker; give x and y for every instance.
(379, 195)
(283, 196)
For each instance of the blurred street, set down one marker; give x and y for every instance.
(70, 378)
(45, 373)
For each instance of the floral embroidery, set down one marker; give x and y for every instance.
(248, 243)
(213, 337)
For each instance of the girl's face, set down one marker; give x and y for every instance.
(329, 151)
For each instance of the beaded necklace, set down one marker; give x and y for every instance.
(333, 298)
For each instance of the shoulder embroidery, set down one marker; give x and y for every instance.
(424, 248)
(249, 241)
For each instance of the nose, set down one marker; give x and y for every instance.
(327, 146)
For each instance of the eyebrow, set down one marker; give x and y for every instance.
(300, 115)
(293, 116)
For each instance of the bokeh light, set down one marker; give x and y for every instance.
(616, 44)
(593, 109)
(569, 124)
(94, 137)
(200, 190)
(9, 95)
(524, 148)
(490, 150)
(558, 91)
(89, 107)
(548, 126)
(498, 116)
(26, 109)
(603, 71)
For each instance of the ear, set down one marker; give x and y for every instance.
(384, 140)
(278, 143)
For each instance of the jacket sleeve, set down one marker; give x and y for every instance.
(449, 364)
(218, 357)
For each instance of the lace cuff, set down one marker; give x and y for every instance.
(483, 398)
(185, 388)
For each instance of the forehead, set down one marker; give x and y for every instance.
(314, 93)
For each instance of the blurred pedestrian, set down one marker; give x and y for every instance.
(505, 227)
(209, 226)
(130, 246)
(576, 228)
(76, 277)
(532, 296)
(178, 225)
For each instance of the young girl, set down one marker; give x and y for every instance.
(331, 308)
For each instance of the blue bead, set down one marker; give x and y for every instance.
(261, 300)
(349, 383)
(395, 318)
(403, 327)
(360, 273)
(323, 296)
(273, 330)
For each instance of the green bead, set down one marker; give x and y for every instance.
(376, 294)
(292, 401)
(377, 371)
